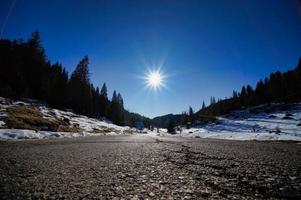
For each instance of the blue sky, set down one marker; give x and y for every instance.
(207, 48)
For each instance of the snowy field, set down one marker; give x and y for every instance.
(275, 124)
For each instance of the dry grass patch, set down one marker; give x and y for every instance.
(128, 131)
(96, 130)
(64, 128)
(104, 130)
(26, 117)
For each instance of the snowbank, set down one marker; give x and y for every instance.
(17, 134)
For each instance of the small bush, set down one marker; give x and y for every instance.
(277, 130)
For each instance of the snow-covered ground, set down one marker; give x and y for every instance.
(245, 125)
(258, 123)
(89, 126)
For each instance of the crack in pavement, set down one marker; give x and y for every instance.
(219, 177)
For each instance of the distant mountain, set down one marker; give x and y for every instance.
(162, 121)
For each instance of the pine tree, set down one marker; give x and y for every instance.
(37, 67)
(114, 109)
(103, 91)
(185, 118)
(212, 101)
(81, 73)
(103, 101)
(80, 88)
(57, 88)
(203, 105)
(190, 111)
(120, 100)
(25, 72)
(234, 94)
(35, 42)
(171, 126)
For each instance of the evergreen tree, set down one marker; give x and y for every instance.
(234, 94)
(25, 72)
(203, 105)
(115, 109)
(171, 126)
(103, 101)
(104, 92)
(190, 111)
(212, 101)
(80, 88)
(185, 118)
(57, 89)
(243, 92)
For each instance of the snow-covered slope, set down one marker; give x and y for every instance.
(273, 122)
(83, 125)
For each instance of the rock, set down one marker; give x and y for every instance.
(272, 116)
(66, 120)
(288, 115)
(135, 197)
(151, 194)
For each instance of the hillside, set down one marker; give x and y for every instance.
(162, 121)
(26, 72)
(279, 87)
(264, 122)
(28, 119)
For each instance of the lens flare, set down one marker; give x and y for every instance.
(154, 79)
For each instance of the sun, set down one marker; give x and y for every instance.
(154, 79)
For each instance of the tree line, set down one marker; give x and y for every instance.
(279, 87)
(25, 72)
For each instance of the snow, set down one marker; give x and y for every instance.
(88, 125)
(250, 126)
(17, 134)
(84, 122)
(240, 125)
(2, 123)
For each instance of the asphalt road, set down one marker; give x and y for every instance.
(141, 167)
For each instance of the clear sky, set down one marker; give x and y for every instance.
(206, 48)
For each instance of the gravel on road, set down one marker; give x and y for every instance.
(145, 167)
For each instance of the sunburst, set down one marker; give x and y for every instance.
(154, 79)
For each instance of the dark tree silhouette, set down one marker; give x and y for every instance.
(171, 126)
(25, 72)
(277, 88)
(203, 105)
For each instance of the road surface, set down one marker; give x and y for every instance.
(145, 167)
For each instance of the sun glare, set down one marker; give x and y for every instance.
(154, 79)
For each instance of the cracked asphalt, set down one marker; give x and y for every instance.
(145, 167)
